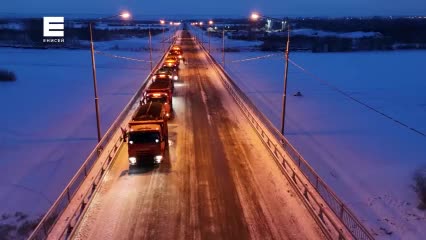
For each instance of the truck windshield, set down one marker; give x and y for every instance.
(144, 137)
(157, 99)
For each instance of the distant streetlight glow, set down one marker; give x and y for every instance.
(125, 15)
(210, 22)
(255, 16)
(162, 22)
(201, 23)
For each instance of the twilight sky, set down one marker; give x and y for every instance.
(213, 8)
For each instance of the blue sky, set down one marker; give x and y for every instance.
(216, 7)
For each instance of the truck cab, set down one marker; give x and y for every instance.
(171, 61)
(166, 72)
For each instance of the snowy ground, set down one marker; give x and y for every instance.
(366, 158)
(48, 126)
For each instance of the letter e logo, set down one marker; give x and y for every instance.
(53, 26)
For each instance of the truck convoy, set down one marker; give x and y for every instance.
(148, 135)
(174, 57)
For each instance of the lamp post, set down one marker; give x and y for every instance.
(255, 17)
(124, 15)
(150, 46)
(223, 45)
(201, 33)
(208, 32)
(162, 22)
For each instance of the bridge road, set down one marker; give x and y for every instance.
(218, 182)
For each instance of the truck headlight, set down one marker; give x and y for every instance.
(132, 160)
(158, 158)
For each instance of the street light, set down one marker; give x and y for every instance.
(223, 48)
(123, 15)
(162, 22)
(150, 46)
(223, 45)
(208, 32)
(255, 17)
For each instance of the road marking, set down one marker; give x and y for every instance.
(204, 98)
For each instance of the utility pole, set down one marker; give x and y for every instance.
(223, 48)
(150, 47)
(287, 52)
(92, 51)
(163, 45)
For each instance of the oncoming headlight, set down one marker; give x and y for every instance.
(132, 160)
(176, 78)
(158, 158)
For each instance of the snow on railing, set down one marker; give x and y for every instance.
(110, 142)
(315, 194)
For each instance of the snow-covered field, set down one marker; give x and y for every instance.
(47, 124)
(368, 159)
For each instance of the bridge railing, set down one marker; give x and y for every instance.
(353, 228)
(110, 142)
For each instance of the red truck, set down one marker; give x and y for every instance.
(161, 91)
(148, 135)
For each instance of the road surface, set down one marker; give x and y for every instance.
(218, 181)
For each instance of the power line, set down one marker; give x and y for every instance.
(256, 58)
(337, 90)
(356, 100)
(121, 57)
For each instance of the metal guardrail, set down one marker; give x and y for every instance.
(48, 221)
(264, 126)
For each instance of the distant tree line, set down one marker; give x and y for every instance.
(395, 33)
(400, 30)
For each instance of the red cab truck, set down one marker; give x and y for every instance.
(161, 91)
(148, 135)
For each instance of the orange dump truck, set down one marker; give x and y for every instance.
(161, 91)
(148, 135)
